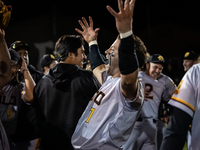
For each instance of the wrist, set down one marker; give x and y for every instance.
(126, 34)
(93, 43)
(24, 69)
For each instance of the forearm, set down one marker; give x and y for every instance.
(5, 63)
(128, 65)
(96, 61)
(29, 86)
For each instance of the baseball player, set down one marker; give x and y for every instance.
(185, 112)
(13, 93)
(110, 116)
(5, 75)
(26, 132)
(189, 59)
(158, 87)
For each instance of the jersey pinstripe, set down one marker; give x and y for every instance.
(108, 119)
(187, 98)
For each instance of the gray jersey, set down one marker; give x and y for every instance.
(10, 101)
(158, 90)
(145, 130)
(4, 144)
(187, 98)
(108, 119)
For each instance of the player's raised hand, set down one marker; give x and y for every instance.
(88, 32)
(124, 17)
(24, 66)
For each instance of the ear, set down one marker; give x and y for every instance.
(71, 55)
(147, 68)
(147, 65)
(46, 68)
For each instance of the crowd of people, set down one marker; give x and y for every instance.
(121, 101)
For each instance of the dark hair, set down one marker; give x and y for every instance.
(141, 51)
(66, 44)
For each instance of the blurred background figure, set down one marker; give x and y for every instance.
(189, 59)
(26, 131)
(47, 62)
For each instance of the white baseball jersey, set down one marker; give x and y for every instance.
(187, 98)
(160, 89)
(108, 119)
(9, 105)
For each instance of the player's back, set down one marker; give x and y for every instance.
(187, 98)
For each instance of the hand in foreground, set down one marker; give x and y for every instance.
(124, 17)
(88, 32)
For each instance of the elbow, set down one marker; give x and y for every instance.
(28, 98)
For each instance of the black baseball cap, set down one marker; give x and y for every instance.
(15, 57)
(191, 55)
(46, 60)
(18, 45)
(156, 58)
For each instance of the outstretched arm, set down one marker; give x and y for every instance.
(90, 36)
(128, 63)
(5, 62)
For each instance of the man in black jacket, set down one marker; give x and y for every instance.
(26, 132)
(62, 95)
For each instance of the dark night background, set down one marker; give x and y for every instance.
(169, 28)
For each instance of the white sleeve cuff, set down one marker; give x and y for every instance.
(93, 43)
(126, 34)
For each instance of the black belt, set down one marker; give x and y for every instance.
(141, 119)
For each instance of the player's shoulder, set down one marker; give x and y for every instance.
(164, 77)
(194, 69)
(141, 74)
(193, 74)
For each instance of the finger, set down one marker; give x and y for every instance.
(112, 12)
(91, 21)
(81, 24)
(79, 31)
(126, 4)
(120, 5)
(132, 5)
(85, 22)
(96, 30)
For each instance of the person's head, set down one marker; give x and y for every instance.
(189, 60)
(112, 54)
(22, 48)
(16, 63)
(154, 65)
(70, 49)
(47, 62)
